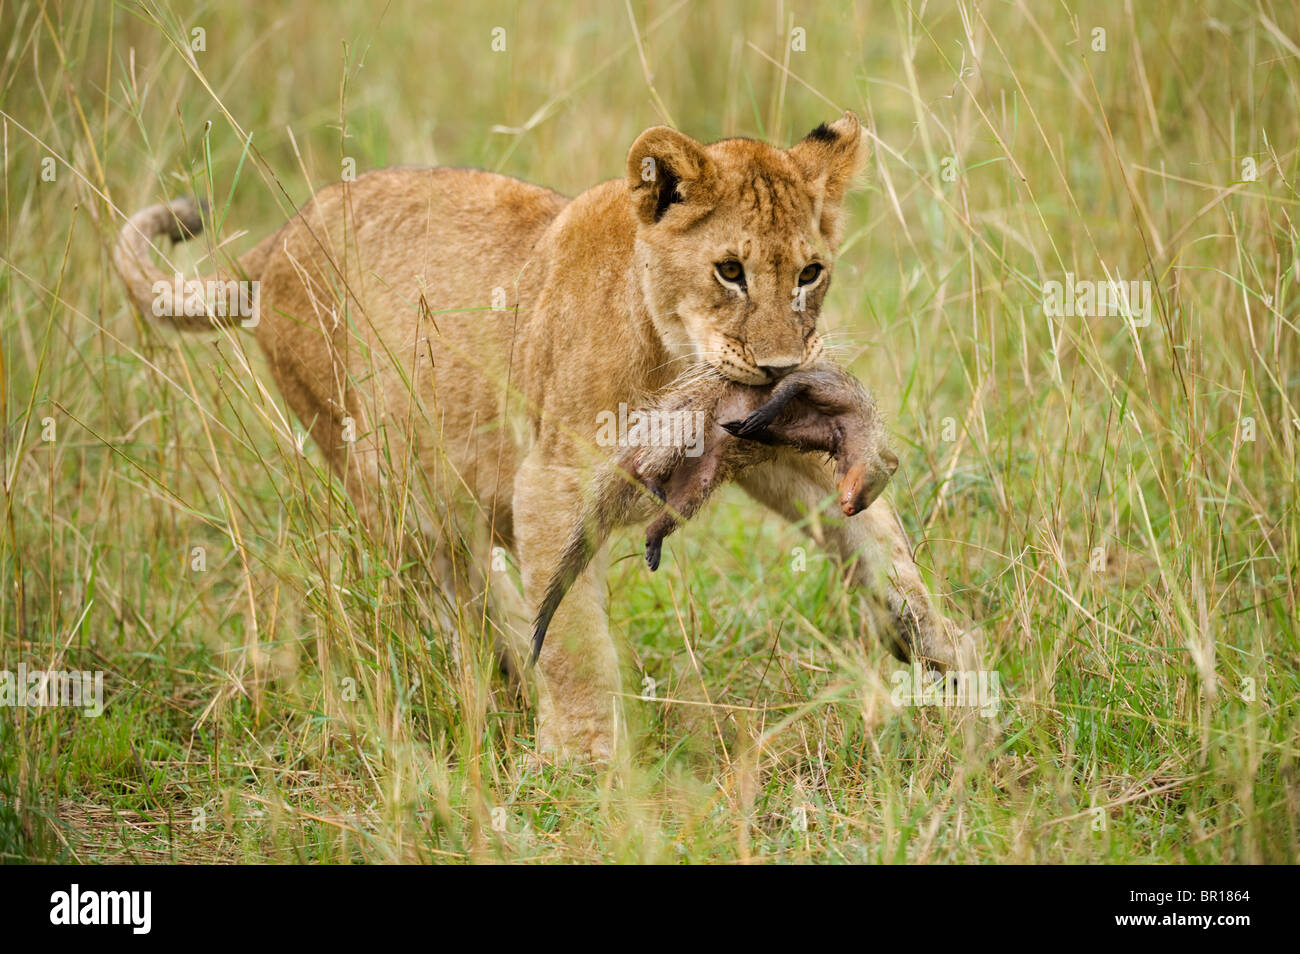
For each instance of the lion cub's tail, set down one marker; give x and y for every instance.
(192, 304)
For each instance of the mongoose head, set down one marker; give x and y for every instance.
(824, 408)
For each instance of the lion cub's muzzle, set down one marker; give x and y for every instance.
(743, 365)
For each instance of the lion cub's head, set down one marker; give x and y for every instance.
(736, 241)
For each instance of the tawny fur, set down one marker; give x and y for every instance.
(466, 329)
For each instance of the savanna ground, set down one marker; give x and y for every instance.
(1112, 504)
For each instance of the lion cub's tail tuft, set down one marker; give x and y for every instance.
(187, 303)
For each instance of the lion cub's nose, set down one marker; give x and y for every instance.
(777, 371)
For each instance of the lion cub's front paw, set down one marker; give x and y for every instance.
(575, 742)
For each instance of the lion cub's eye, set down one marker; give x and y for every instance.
(731, 271)
(809, 274)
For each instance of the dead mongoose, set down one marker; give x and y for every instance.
(821, 408)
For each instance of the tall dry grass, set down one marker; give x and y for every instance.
(1112, 505)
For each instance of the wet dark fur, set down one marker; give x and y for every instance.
(822, 408)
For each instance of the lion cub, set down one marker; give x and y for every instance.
(822, 408)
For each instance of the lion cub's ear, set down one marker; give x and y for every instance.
(829, 157)
(666, 168)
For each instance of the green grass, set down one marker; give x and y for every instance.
(1082, 491)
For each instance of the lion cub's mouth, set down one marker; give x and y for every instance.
(732, 360)
(755, 377)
